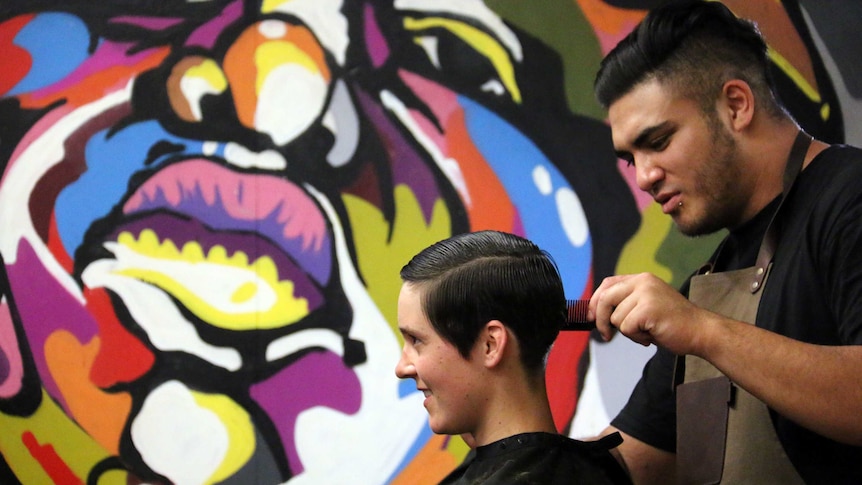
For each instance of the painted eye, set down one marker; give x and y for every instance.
(190, 80)
(279, 78)
(466, 56)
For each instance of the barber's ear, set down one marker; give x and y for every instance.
(495, 339)
(737, 101)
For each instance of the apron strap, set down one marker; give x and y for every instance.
(770, 239)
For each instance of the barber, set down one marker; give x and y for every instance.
(758, 373)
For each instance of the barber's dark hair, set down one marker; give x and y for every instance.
(473, 278)
(693, 47)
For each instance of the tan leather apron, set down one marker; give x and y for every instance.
(724, 434)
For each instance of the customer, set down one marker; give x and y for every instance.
(479, 313)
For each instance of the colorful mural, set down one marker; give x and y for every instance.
(204, 206)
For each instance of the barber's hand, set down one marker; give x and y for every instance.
(647, 310)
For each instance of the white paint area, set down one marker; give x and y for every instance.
(177, 438)
(384, 429)
(290, 100)
(156, 313)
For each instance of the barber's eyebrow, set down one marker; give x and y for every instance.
(647, 133)
(643, 138)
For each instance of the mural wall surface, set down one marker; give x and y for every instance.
(204, 206)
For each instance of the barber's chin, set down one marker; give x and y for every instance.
(694, 228)
(687, 229)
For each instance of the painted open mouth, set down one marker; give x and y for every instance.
(201, 255)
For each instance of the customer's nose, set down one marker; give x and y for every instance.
(405, 369)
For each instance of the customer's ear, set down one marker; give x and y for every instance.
(495, 339)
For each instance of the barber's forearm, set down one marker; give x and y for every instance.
(645, 464)
(819, 387)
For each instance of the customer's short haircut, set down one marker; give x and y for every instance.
(692, 47)
(473, 278)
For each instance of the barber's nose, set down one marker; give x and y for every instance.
(648, 173)
(405, 369)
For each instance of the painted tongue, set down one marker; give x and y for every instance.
(225, 200)
(240, 251)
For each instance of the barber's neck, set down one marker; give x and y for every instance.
(764, 148)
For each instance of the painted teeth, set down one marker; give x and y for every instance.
(224, 290)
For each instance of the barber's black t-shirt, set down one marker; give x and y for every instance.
(813, 294)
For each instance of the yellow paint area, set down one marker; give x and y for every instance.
(639, 253)
(807, 89)
(239, 429)
(209, 71)
(51, 427)
(479, 40)
(184, 95)
(227, 291)
(269, 6)
(381, 254)
(274, 54)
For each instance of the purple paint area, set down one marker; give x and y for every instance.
(518, 225)
(151, 23)
(181, 230)
(205, 36)
(408, 167)
(378, 49)
(45, 307)
(317, 379)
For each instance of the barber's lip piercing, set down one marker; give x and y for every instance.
(679, 205)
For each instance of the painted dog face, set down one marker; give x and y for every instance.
(205, 210)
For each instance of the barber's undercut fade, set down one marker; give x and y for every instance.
(473, 278)
(693, 47)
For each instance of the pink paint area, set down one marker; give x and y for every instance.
(629, 174)
(442, 101)
(45, 307)
(44, 124)
(11, 365)
(316, 379)
(226, 200)
(608, 40)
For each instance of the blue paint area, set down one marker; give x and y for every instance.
(420, 442)
(513, 157)
(406, 387)
(111, 162)
(56, 54)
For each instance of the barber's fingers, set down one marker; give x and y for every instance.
(606, 298)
